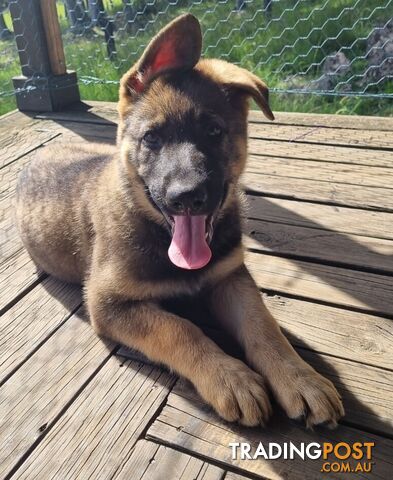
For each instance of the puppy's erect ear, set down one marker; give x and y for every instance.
(176, 47)
(236, 79)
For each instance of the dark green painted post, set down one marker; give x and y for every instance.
(39, 88)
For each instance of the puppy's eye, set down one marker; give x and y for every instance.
(152, 140)
(214, 130)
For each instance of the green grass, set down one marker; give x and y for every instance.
(236, 38)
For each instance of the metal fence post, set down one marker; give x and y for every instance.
(45, 84)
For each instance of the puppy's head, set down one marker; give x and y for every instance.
(183, 136)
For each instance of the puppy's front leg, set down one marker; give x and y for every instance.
(299, 389)
(235, 391)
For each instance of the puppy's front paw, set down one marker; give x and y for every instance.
(307, 394)
(235, 392)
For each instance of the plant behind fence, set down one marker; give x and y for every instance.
(316, 55)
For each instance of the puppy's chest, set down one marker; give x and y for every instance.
(150, 263)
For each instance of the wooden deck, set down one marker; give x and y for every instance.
(320, 240)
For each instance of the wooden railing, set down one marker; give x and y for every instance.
(45, 83)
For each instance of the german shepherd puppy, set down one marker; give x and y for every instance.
(158, 218)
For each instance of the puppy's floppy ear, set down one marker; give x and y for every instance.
(235, 79)
(176, 47)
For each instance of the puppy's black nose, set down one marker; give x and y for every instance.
(181, 199)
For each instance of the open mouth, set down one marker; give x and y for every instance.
(191, 236)
(208, 220)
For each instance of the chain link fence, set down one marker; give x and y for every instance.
(314, 54)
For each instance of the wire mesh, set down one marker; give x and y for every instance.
(330, 48)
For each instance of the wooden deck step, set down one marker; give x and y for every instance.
(10, 242)
(29, 141)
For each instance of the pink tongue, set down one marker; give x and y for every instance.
(188, 248)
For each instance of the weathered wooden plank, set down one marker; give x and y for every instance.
(361, 175)
(17, 274)
(10, 242)
(366, 291)
(104, 132)
(17, 271)
(38, 135)
(326, 153)
(322, 135)
(102, 425)
(6, 116)
(356, 122)
(8, 179)
(332, 218)
(107, 112)
(234, 476)
(343, 333)
(186, 423)
(150, 461)
(322, 153)
(102, 113)
(366, 390)
(25, 326)
(20, 141)
(316, 245)
(38, 392)
(13, 119)
(380, 199)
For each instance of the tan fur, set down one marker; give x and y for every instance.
(85, 216)
(234, 77)
(301, 391)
